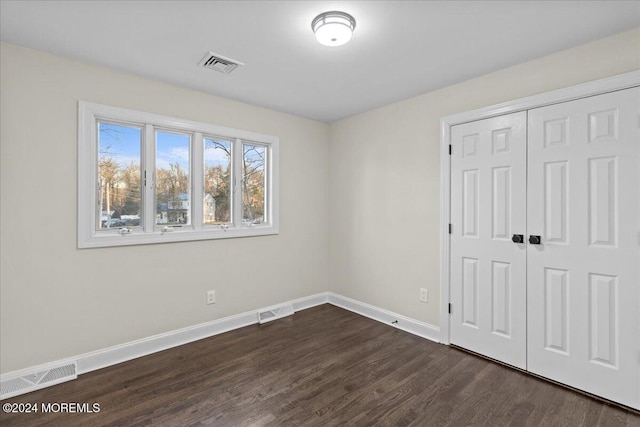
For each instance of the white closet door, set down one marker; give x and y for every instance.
(488, 206)
(584, 277)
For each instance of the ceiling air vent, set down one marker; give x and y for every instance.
(213, 61)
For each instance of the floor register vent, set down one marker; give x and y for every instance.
(275, 313)
(41, 379)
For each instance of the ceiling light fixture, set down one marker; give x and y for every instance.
(333, 28)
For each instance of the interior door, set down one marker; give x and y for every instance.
(488, 206)
(584, 276)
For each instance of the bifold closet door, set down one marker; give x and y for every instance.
(488, 207)
(584, 276)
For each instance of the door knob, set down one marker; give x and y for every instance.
(535, 240)
(517, 238)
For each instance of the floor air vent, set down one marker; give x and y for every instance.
(216, 62)
(41, 379)
(275, 313)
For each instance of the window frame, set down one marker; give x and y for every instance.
(149, 233)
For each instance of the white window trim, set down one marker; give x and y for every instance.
(90, 237)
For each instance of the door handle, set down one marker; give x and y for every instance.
(518, 238)
(535, 240)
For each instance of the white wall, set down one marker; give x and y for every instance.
(384, 175)
(58, 301)
(359, 200)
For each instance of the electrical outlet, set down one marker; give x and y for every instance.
(211, 297)
(424, 295)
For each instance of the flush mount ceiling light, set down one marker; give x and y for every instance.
(333, 28)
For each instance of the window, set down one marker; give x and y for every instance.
(119, 192)
(217, 181)
(253, 183)
(172, 180)
(144, 178)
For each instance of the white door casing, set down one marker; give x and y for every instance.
(488, 206)
(584, 278)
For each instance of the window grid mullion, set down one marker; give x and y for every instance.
(149, 177)
(197, 181)
(236, 156)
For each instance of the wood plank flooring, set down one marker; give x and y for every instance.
(320, 367)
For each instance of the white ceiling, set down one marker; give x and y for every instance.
(400, 49)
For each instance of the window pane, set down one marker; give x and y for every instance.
(253, 184)
(217, 181)
(173, 197)
(119, 193)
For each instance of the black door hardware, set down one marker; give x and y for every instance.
(535, 240)
(517, 238)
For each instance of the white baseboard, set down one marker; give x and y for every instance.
(132, 350)
(109, 356)
(98, 359)
(407, 324)
(308, 302)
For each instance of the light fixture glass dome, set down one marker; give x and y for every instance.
(333, 28)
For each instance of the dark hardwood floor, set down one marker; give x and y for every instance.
(320, 367)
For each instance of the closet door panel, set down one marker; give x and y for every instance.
(583, 278)
(488, 274)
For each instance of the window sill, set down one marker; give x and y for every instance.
(138, 237)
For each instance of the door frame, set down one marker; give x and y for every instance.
(583, 90)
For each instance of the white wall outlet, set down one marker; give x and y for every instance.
(424, 295)
(211, 297)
